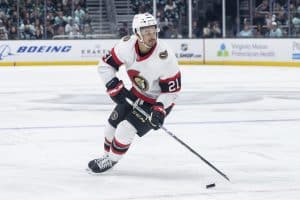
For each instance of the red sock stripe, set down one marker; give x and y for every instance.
(115, 151)
(119, 144)
(107, 145)
(119, 148)
(107, 141)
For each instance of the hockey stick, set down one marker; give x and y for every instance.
(178, 140)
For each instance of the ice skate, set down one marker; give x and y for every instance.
(101, 164)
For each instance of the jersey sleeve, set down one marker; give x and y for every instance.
(170, 83)
(113, 60)
(118, 54)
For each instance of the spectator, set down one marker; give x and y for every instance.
(170, 6)
(275, 30)
(171, 14)
(87, 19)
(87, 30)
(50, 17)
(259, 32)
(71, 28)
(216, 30)
(4, 5)
(296, 18)
(59, 6)
(60, 30)
(3, 33)
(65, 2)
(79, 12)
(38, 25)
(29, 6)
(182, 7)
(27, 31)
(60, 19)
(207, 31)
(50, 7)
(38, 34)
(261, 11)
(123, 31)
(14, 17)
(269, 18)
(196, 32)
(280, 13)
(13, 34)
(246, 32)
(49, 30)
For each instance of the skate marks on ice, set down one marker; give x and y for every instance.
(246, 124)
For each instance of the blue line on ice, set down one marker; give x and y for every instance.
(167, 124)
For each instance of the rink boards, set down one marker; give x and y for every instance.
(266, 52)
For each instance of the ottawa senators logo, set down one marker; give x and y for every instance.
(141, 82)
(163, 54)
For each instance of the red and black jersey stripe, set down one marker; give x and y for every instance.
(172, 84)
(112, 59)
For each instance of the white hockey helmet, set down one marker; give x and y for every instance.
(143, 20)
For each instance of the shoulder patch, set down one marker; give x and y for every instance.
(163, 54)
(126, 38)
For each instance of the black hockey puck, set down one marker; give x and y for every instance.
(210, 185)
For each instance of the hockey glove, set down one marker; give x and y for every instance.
(116, 90)
(157, 116)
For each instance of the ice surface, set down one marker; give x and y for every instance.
(244, 120)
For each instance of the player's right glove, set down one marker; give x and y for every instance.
(157, 116)
(116, 90)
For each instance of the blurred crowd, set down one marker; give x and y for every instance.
(171, 16)
(44, 19)
(39, 21)
(273, 19)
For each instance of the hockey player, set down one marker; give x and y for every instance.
(155, 76)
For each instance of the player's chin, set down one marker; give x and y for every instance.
(152, 43)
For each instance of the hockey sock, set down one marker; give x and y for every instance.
(109, 133)
(124, 135)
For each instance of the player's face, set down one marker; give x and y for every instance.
(149, 35)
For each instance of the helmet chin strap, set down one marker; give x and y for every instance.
(140, 38)
(145, 45)
(142, 41)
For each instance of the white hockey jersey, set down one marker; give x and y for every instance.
(155, 76)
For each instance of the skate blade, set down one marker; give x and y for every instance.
(89, 171)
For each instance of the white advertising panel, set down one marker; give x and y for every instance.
(283, 52)
(188, 51)
(79, 52)
(245, 51)
(53, 51)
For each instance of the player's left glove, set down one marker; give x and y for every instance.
(157, 116)
(116, 90)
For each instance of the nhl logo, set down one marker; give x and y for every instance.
(141, 83)
(184, 47)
